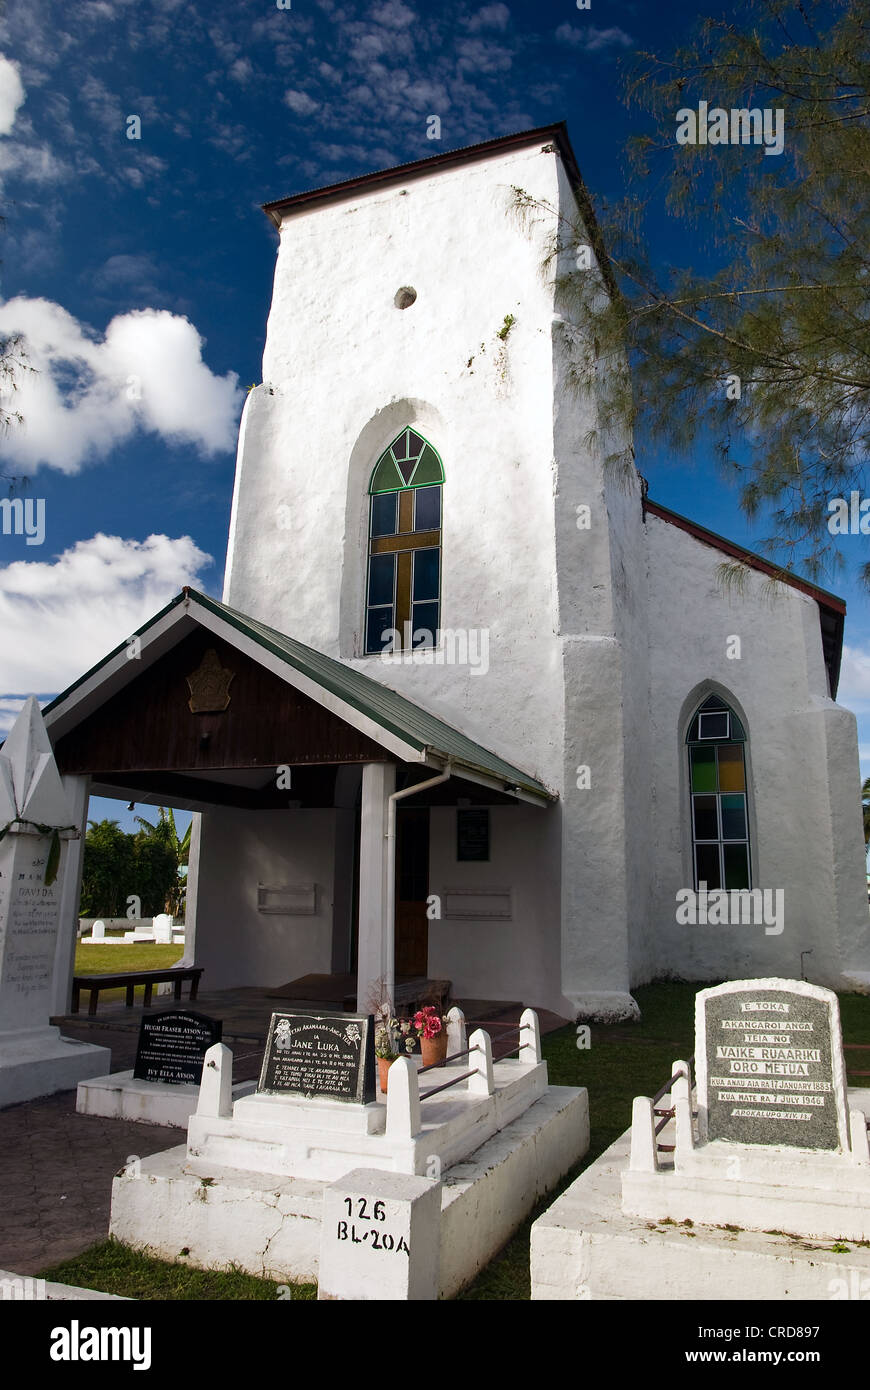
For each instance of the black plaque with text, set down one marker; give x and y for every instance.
(320, 1054)
(472, 835)
(771, 1077)
(172, 1046)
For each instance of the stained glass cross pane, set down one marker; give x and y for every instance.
(733, 817)
(703, 769)
(400, 445)
(736, 866)
(707, 865)
(732, 776)
(406, 468)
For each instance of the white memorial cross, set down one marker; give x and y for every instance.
(35, 819)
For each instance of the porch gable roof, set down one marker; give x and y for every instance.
(405, 728)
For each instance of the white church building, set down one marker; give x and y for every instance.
(471, 709)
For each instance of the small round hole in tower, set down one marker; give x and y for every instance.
(405, 297)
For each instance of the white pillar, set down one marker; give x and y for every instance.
(455, 1031)
(644, 1150)
(378, 784)
(76, 789)
(682, 1087)
(858, 1137)
(403, 1100)
(216, 1085)
(685, 1137)
(482, 1083)
(530, 1038)
(192, 890)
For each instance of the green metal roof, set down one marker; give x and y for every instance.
(393, 712)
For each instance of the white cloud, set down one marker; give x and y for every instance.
(490, 17)
(12, 93)
(393, 14)
(482, 56)
(242, 70)
(593, 40)
(300, 102)
(136, 273)
(61, 617)
(85, 395)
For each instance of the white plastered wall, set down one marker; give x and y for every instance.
(239, 849)
(802, 758)
(516, 958)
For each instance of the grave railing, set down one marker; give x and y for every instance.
(669, 1113)
(404, 1096)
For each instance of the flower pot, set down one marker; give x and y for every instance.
(434, 1050)
(384, 1064)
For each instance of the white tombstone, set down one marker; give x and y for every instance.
(781, 1143)
(163, 928)
(98, 931)
(380, 1237)
(36, 822)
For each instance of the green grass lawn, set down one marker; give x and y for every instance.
(115, 1268)
(111, 960)
(622, 1062)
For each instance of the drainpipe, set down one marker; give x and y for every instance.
(390, 972)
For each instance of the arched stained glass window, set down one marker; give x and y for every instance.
(720, 811)
(404, 564)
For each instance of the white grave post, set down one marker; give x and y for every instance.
(380, 1237)
(35, 823)
(98, 931)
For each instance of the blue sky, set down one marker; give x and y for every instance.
(139, 270)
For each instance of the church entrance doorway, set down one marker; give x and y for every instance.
(412, 891)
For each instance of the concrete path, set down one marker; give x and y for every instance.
(56, 1170)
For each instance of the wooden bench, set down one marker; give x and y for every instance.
(129, 979)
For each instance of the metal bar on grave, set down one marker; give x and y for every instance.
(443, 1063)
(433, 1090)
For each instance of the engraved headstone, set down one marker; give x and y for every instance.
(163, 928)
(36, 826)
(172, 1046)
(769, 1063)
(329, 1055)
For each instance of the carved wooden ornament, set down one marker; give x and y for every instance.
(209, 685)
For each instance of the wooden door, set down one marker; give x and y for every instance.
(412, 891)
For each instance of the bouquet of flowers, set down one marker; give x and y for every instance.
(427, 1022)
(391, 1035)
